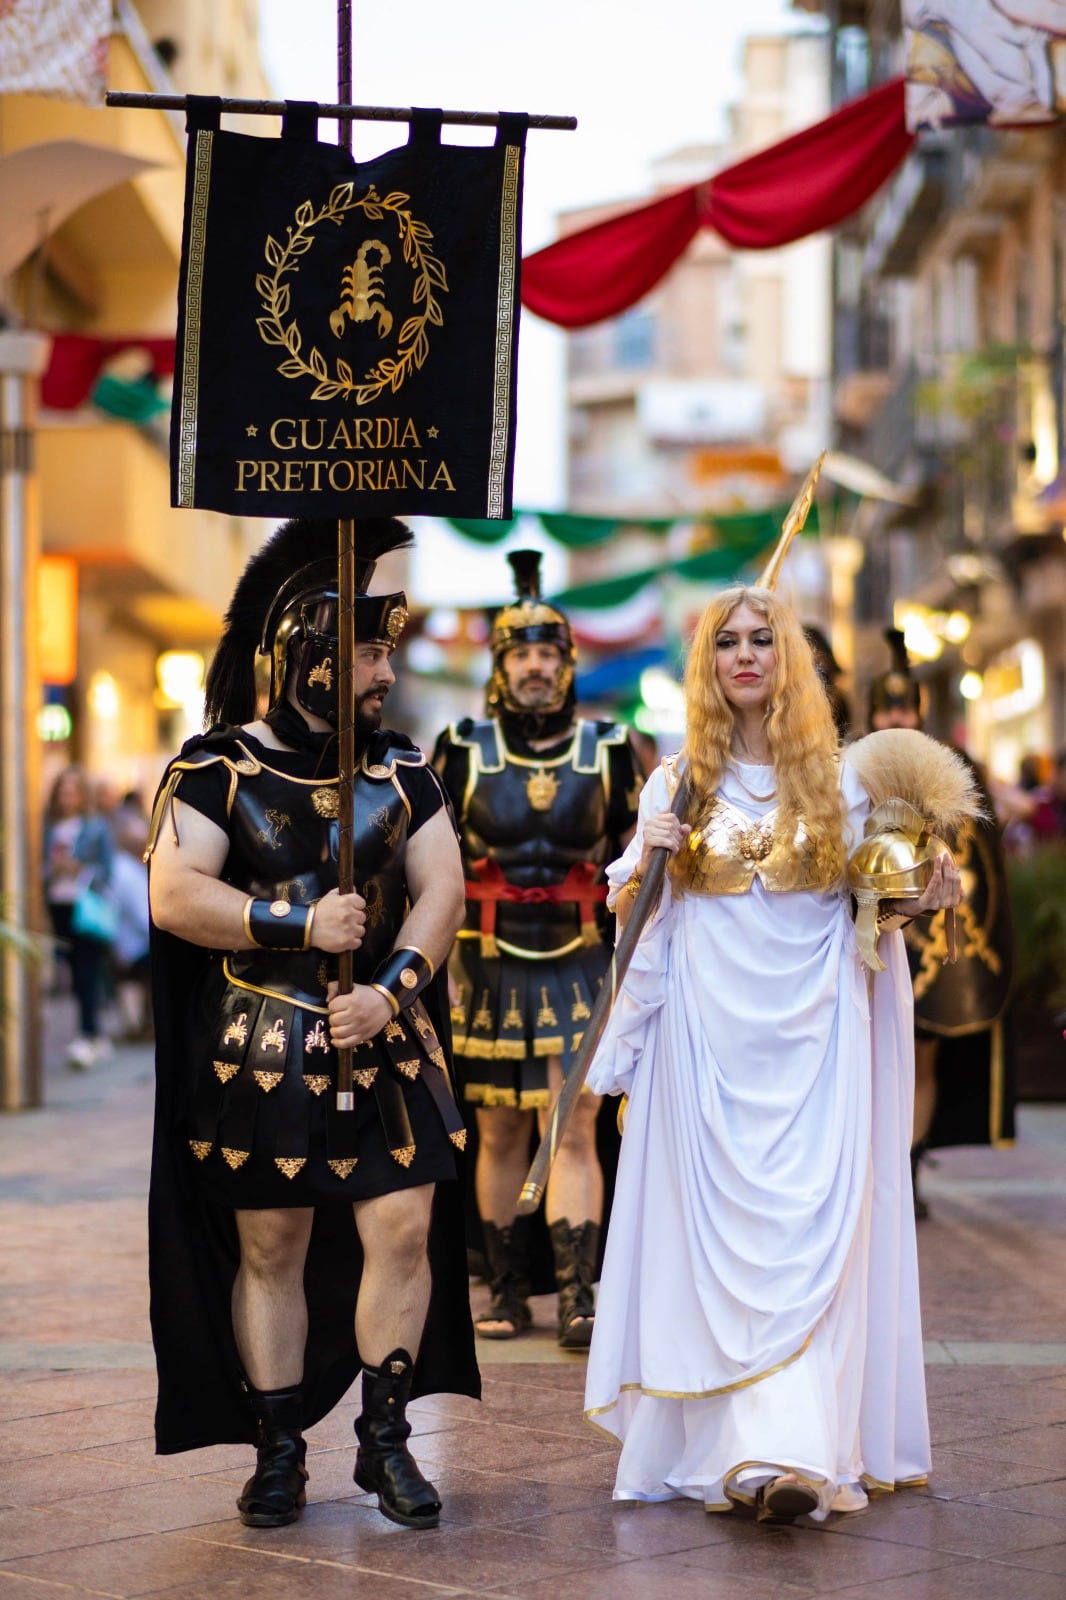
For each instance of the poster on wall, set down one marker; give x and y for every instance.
(997, 61)
(347, 331)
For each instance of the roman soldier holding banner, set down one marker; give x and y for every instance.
(544, 800)
(293, 1240)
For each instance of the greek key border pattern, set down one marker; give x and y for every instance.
(506, 313)
(194, 289)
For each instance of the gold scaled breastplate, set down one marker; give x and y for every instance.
(728, 851)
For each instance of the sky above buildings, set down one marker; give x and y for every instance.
(642, 79)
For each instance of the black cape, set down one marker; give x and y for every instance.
(193, 1257)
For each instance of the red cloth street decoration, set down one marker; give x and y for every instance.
(809, 181)
(77, 360)
(602, 270)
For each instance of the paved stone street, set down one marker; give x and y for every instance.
(86, 1508)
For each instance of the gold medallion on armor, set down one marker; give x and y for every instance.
(541, 789)
(756, 843)
(326, 801)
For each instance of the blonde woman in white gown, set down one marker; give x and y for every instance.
(757, 1338)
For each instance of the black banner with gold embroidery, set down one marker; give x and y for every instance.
(347, 331)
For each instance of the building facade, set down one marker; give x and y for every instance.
(712, 394)
(948, 376)
(145, 580)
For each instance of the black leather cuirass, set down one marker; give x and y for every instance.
(533, 820)
(283, 846)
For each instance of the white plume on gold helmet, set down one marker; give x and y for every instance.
(920, 789)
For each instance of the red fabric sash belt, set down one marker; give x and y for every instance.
(577, 888)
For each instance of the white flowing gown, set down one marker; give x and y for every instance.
(758, 1308)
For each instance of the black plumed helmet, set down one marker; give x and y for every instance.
(299, 560)
(897, 686)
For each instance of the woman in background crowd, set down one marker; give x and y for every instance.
(78, 855)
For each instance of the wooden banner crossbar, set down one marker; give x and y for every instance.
(341, 113)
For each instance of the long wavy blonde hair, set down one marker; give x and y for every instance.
(799, 724)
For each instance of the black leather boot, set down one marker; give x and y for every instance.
(275, 1493)
(507, 1258)
(575, 1251)
(384, 1466)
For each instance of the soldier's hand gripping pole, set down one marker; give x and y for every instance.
(647, 898)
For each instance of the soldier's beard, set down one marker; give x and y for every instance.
(535, 694)
(368, 717)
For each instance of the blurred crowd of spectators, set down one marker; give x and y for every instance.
(96, 889)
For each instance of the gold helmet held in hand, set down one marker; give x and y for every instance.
(893, 862)
(918, 788)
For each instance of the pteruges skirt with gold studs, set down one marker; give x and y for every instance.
(262, 1126)
(511, 1015)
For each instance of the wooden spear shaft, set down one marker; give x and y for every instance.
(532, 1191)
(346, 635)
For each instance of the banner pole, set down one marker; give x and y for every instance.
(346, 619)
(344, 113)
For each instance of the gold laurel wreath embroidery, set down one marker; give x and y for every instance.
(413, 346)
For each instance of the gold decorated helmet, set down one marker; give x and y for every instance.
(528, 619)
(893, 862)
